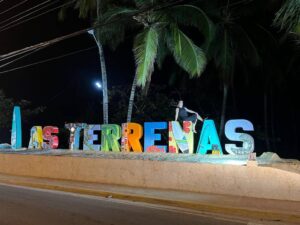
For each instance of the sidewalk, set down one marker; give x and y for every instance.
(254, 208)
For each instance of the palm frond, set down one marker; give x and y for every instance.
(243, 41)
(112, 34)
(85, 7)
(145, 52)
(116, 12)
(288, 16)
(187, 55)
(224, 58)
(162, 51)
(190, 15)
(147, 3)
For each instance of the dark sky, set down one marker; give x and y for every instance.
(65, 83)
(66, 86)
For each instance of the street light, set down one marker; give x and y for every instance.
(98, 85)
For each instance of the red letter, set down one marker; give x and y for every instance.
(51, 141)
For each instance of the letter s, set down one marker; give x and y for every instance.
(231, 134)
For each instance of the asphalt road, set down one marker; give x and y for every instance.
(25, 206)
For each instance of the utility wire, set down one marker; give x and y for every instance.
(5, 27)
(21, 51)
(15, 6)
(27, 10)
(48, 60)
(21, 57)
(74, 34)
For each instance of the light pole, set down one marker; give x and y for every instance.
(104, 77)
(98, 86)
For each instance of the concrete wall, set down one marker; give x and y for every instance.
(251, 181)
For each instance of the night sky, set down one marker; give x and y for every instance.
(66, 86)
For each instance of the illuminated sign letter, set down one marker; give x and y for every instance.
(246, 139)
(151, 136)
(36, 138)
(75, 129)
(182, 139)
(16, 132)
(131, 135)
(50, 141)
(111, 133)
(209, 139)
(90, 137)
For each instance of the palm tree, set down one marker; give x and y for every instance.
(231, 45)
(157, 24)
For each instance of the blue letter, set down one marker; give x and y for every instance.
(208, 138)
(151, 137)
(90, 137)
(231, 134)
(16, 132)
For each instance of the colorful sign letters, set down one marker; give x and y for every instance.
(131, 136)
(16, 132)
(246, 139)
(159, 137)
(181, 139)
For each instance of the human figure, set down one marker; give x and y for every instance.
(182, 113)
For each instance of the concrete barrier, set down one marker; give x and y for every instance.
(250, 181)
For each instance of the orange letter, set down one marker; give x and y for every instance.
(131, 135)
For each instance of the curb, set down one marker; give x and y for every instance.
(267, 216)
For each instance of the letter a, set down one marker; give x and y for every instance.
(208, 138)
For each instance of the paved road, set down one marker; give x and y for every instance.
(24, 206)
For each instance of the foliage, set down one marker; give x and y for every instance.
(159, 33)
(7, 105)
(288, 17)
(157, 106)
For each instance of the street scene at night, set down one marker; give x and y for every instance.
(124, 112)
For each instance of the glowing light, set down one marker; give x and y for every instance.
(98, 85)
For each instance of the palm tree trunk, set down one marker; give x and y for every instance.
(234, 105)
(223, 113)
(272, 119)
(104, 84)
(131, 99)
(267, 138)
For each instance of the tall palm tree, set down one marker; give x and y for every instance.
(158, 34)
(156, 24)
(231, 45)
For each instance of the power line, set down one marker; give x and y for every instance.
(45, 43)
(21, 57)
(47, 60)
(5, 27)
(23, 12)
(56, 40)
(15, 6)
(21, 51)
(28, 14)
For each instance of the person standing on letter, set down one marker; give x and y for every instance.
(182, 113)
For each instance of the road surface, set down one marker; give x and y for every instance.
(26, 206)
